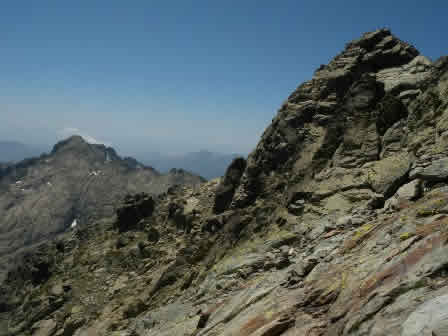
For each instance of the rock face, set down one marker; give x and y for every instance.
(231, 180)
(135, 208)
(76, 183)
(436, 171)
(429, 318)
(337, 224)
(346, 117)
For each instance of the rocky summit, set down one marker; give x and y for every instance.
(75, 184)
(337, 224)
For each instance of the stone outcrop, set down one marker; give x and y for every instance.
(436, 171)
(135, 208)
(349, 115)
(337, 224)
(231, 180)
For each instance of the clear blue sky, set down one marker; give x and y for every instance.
(175, 76)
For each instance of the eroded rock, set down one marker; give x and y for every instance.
(436, 171)
(135, 208)
(429, 319)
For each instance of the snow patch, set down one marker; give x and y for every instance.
(95, 173)
(74, 223)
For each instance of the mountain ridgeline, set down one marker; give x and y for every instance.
(336, 224)
(42, 196)
(203, 163)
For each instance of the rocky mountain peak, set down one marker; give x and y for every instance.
(337, 118)
(74, 141)
(374, 51)
(77, 145)
(336, 224)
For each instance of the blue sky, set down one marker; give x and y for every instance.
(178, 76)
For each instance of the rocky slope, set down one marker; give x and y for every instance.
(43, 196)
(337, 224)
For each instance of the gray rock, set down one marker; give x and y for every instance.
(228, 185)
(376, 202)
(407, 77)
(72, 325)
(387, 174)
(297, 207)
(284, 250)
(307, 266)
(407, 192)
(409, 94)
(430, 318)
(319, 227)
(153, 235)
(441, 329)
(358, 221)
(437, 171)
(394, 139)
(57, 290)
(135, 208)
(44, 328)
(344, 221)
(410, 191)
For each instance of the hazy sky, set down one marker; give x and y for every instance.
(175, 76)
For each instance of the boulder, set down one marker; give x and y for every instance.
(153, 235)
(429, 319)
(406, 78)
(394, 139)
(133, 307)
(297, 207)
(135, 208)
(181, 216)
(72, 325)
(391, 110)
(410, 191)
(213, 224)
(57, 289)
(437, 171)
(226, 189)
(44, 328)
(344, 221)
(387, 174)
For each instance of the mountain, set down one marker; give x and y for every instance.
(336, 224)
(204, 163)
(207, 164)
(41, 197)
(11, 151)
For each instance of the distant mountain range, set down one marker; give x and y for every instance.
(207, 164)
(204, 163)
